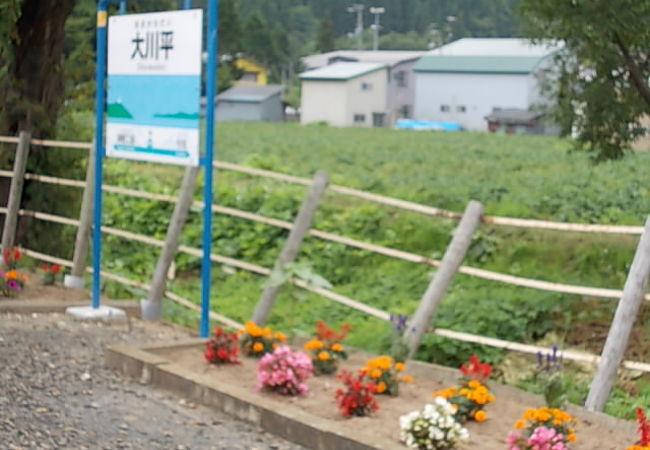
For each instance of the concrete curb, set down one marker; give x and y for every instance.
(149, 364)
(131, 308)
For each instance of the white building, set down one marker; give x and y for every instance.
(467, 80)
(345, 94)
(399, 63)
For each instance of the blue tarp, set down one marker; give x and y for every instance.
(409, 124)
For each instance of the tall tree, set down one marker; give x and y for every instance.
(31, 74)
(325, 36)
(602, 90)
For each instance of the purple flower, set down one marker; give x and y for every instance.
(14, 285)
(399, 322)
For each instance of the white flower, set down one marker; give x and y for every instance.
(433, 427)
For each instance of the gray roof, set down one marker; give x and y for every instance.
(497, 47)
(249, 93)
(477, 64)
(388, 57)
(341, 71)
(513, 115)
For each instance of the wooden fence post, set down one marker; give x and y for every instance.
(453, 258)
(152, 306)
(619, 333)
(292, 245)
(15, 191)
(76, 277)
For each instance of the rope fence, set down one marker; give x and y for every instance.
(374, 248)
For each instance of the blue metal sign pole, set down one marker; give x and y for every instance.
(210, 91)
(100, 76)
(207, 161)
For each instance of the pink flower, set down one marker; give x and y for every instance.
(284, 371)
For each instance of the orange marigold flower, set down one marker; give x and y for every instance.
(407, 379)
(531, 414)
(258, 347)
(572, 437)
(324, 356)
(381, 388)
(474, 384)
(314, 344)
(480, 416)
(376, 373)
(12, 275)
(280, 337)
(253, 329)
(520, 424)
(400, 367)
(337, 348)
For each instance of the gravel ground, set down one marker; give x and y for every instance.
(56, 393)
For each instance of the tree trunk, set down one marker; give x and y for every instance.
(34, 82)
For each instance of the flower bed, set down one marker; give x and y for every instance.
(383, 425)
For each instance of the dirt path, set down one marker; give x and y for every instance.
(55, 392)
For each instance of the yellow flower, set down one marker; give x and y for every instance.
(474, 384)
(400, 367)
(543, 416)
(252, 329)
(324, 356)
(520, 424)
(258, 347)
(314, 344)
(445, 393)
(376, 373)
(490, 398)
(572, 437)
(407, 379)
(337, 348)
(480, 399)
(480, 416)
(381, 387)
(531, 414)
(267, 331)
(280, 337)
(12, 275)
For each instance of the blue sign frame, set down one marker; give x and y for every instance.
(206, 160)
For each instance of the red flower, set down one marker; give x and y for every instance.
(55, 269)
(476, 370)
(357, 399)
(11, 255)
(326, 334)
(222, 348)
(644, 427)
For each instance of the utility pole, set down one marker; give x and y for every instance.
(358, 30)
(377, 11)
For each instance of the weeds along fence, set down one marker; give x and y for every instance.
(13, 210)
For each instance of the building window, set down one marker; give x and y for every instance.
(401, 78)
(405, 112)
(359, 118)
(445, 108)
(366, 86)
(378, 119)
(461, 108)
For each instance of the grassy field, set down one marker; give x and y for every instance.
(529, 177)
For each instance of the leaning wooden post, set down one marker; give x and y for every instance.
(152, 306)
(76, 277)
(292, 245)
(454, 256)
(15, 191)
(619, 333)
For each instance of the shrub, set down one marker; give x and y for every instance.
(326, 349)
(222, 348)
(472, 394)
(50, 272)
(284, 372)
(387, 374)
(357, 399)
(550, 426)
(257, 342)
(433, 428)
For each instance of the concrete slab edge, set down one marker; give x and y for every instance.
(291, 423)
(132, 309)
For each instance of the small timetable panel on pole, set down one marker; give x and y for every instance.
(154, 87)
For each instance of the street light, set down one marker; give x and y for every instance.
(358, 31)
(377, 11)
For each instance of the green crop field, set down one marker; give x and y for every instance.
(528, 177)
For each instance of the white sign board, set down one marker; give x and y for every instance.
(154, 86)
